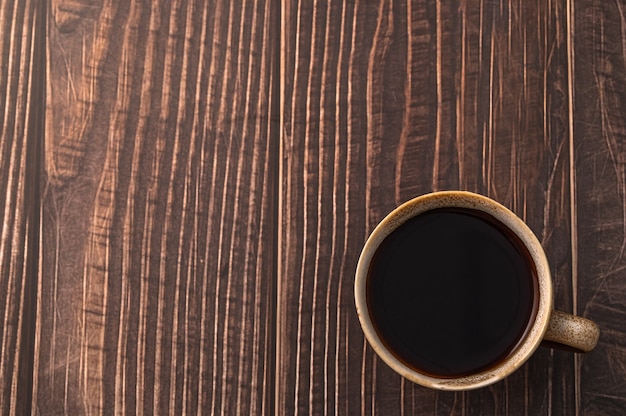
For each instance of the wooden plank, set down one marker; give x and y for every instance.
(600, 169)
(159, 240)
(383, 101)
(157, 293)
(22, 77)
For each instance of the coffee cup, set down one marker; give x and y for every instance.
(453, 291)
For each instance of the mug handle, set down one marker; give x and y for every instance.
(571, 333)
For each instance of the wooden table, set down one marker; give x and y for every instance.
(188, 185)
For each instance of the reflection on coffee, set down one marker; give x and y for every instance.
(451, 292)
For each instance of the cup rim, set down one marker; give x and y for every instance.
(458, 199)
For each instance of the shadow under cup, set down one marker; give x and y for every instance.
(453, 291)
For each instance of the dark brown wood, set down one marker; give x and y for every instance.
(185, 238)
(157, 293)
(599, 80)
(22, 82)
(384, 101)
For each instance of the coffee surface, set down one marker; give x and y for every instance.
(451, 292)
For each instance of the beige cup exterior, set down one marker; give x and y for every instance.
(577, 333)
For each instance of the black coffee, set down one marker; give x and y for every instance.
(451, 292)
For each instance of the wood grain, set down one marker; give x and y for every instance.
(22, 81)
(184, 238)
(159, 211)
(384, 101)
(600, 163)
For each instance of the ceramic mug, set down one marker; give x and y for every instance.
(541, 324)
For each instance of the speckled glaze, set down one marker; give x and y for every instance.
(573, 332)
(557, 327)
